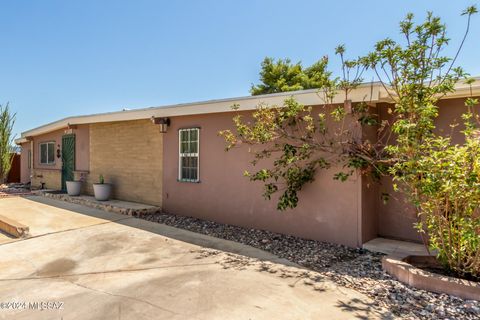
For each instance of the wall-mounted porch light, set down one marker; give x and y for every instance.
(58, 151)
(162, 123)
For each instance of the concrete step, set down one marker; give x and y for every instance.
(396, 247)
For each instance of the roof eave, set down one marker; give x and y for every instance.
(367, 92)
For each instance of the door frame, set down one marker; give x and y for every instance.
(64, 178)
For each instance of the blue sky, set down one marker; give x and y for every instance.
(61, 58)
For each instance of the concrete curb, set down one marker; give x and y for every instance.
(105, 206)
(13, 227)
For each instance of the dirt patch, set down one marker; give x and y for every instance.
(445, 272)
(57, 267)
(431, 264)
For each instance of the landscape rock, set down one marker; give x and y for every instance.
(358, 269)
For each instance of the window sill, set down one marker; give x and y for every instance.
(187, 181)
(46, 169)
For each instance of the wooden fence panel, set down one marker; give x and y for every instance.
(14, 174)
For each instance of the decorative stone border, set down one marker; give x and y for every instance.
(13, 190)
(102, 205)
(404, 271)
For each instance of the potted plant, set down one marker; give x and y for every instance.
(102, 190)
(74, 187)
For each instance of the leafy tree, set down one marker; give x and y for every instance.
(301, 142)
(7, 120)
(441, 180)
(283, 75)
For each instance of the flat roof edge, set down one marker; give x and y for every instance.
(371, 91)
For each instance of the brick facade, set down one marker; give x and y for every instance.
(51, 178)
(129, 155)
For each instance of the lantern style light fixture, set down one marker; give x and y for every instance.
(59, 154)
(162, 123)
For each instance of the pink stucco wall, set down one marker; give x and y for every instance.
(56, 137)
(82, 151)
(24, 166)
(397, 216)
(349, 213)
(328, 210)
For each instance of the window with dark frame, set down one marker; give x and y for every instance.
(29, 159)
(188, 144)
(47, 153)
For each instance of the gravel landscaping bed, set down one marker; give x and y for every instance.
(353, 268)
(13, 189)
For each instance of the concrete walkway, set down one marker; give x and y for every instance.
(45, 216)
(97, 265)
(396, 248)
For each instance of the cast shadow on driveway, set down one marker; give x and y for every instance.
(163, 230)
(112, 248)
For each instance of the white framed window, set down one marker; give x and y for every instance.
(47, 152)
(188, 160)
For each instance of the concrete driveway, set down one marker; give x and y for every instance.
(83, 263)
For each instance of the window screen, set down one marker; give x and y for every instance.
(188, 154)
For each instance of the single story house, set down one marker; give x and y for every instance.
(142, 152)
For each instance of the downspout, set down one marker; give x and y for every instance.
(358, 136)
(359, 210)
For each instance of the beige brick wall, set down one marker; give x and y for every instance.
(129, 155)
(51, 177)
(82, 176)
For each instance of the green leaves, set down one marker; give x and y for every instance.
(294, 137)
(340, 49)
(407, 24)
(342, 176)
(283, 76)
(7, 120)
(338, 113)
(441, 180)
(470, 10)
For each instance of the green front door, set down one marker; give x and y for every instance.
(68, 159)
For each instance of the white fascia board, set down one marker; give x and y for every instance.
(367, 92)
(311, 98)
(20, 141)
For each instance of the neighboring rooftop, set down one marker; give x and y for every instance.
(368, 92)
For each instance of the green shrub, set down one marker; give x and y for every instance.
(444, 184)
(442, 180)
